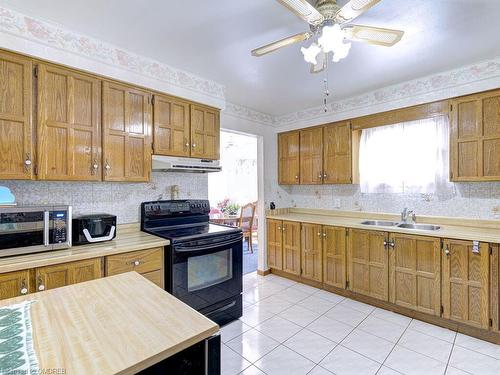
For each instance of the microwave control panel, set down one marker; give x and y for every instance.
(60, 220)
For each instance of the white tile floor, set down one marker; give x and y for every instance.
(294, 329)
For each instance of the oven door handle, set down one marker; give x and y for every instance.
(223, 308)
(207, 247)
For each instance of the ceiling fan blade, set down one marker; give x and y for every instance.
(321, 65)
(353, 9)
(373, 35)
(304, 10)
(281, 43)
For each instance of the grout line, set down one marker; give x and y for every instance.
(449, 356)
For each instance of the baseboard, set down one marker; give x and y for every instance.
(264, 273)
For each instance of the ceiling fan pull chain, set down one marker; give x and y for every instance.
(327, 91)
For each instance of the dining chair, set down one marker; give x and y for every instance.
(245, 223)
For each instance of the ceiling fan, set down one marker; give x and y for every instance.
(330, 23)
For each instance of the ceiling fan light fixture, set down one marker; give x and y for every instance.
(341, 52)
(311, 53)
(332, 40)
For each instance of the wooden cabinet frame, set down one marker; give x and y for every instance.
(17, 160)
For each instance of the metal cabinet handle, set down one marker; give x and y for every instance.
(95, 167)
(279, 228)
(324, 176)
(107, 167)
(324, 235)
(386, 243)
(319, 234)
(320, 176)
(447, 251)
(296, 177)
(392, 244)
(23, 290)
(135, 263)
(193, 145)
(40, 287)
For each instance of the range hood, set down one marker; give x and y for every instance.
(175, 164)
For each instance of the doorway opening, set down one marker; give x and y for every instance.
(233, 193)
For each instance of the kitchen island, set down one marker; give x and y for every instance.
(122, 324)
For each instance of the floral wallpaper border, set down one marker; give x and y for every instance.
(18, 24)
(246, 113)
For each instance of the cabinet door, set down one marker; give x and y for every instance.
(311, 156)
(205, 133)
(16, 155)
(69, 133)
(291, 247)
(127, 133)
(466, 282)
(334, 256)
(368, 263)
(312, 252)
(171, 127)
(275, 244)
(14, 284)
(475, 137)
(415, 272)
(337, 158)
(59, 275)
(288, 158)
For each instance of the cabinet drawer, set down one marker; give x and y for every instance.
(14, 284)
(155, 277)
(142, 261)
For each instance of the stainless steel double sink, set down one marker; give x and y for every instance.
(381, 223)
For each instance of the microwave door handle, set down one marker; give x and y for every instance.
(91, 239)
(46, 229)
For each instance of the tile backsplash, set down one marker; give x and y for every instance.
(480, 200)
(120, 199)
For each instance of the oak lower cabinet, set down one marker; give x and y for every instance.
(16, 152)
(291, 247)
(148, 263)
(312, 252)
(334, 256)
(415, 272)
(69, 125)
(289, 158)
(127, 133)
(283, 246)
(466, 282)
(275, 244)
(14, 284)
(58, 275)
(368, 263)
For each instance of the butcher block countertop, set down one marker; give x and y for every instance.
(114, 325)
(452, 228)
(128, 238)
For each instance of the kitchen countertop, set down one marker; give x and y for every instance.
(128, 238)
(118, 324)
(463, 229)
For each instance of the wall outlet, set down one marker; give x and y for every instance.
(336, 203)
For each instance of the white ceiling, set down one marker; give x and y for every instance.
(213, 39)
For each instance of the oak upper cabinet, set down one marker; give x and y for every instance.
(59, 275)
(205, 132)
(368, 263)
(334, 256)
(415, 272)
(475, 137)
(311, 156)
(172, 136)
(16, 154)
(127, 133)
(288, 158)
(337, 153)
(14, 284)
(69, 129)
(466, 282)
(312, 252)
(275, 244)
(291, 247)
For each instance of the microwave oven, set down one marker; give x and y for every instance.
(31, 229)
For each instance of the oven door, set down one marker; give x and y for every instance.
(207, 271)
(24, 231)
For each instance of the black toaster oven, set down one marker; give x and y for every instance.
(93, 228)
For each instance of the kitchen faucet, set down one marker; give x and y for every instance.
(406, 214)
